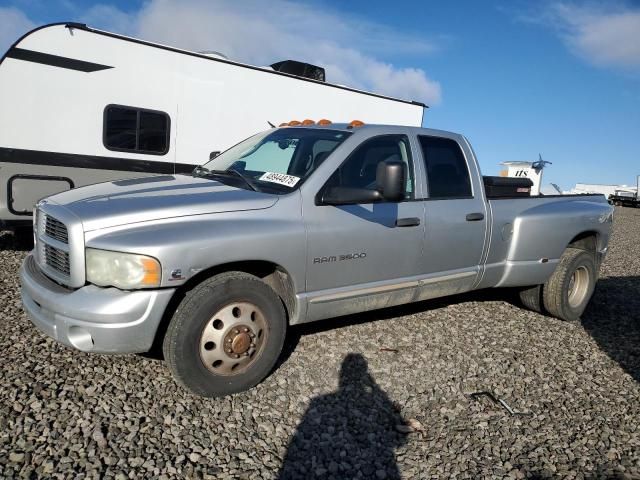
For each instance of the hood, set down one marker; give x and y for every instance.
(122, 202)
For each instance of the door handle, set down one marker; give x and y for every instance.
(408, 222)
(475, 217)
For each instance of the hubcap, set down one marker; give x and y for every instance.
(578, 286)
(233, 338)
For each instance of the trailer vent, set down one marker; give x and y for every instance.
(300, 69)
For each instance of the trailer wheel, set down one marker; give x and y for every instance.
(568, 291)
(226, 335)
(531, 298)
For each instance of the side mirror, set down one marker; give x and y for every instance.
(391, 177)
(391, 180)
(348, 196)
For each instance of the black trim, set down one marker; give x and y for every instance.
(93, 162)
(408, 222)
(81, 26)
(15, 44)
(138, 110)
(14, 224)
(55, 60)
(439, 199)
(550, 196)
(184, 168)
(20, 176)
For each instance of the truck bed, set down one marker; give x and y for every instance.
(527, 235)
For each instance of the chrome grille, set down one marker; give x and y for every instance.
(56, 229)
(57, 259)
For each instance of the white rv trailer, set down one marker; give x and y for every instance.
(81, 106)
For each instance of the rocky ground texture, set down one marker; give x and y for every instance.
(382, 395)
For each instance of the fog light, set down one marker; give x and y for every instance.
(80, 338)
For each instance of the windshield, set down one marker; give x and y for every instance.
(275, 160)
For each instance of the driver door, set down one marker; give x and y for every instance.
(361, 256)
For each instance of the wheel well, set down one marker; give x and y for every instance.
(272, 274)
(585, 241)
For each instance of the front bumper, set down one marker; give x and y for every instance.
(92, 319)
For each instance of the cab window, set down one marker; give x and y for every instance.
(447, 172)
(359, 170)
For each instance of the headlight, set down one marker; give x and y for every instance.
(122, 270)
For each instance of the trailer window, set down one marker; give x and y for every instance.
(129, 129)
(447, 173)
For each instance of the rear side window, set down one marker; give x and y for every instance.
(130, 129)
(447, 172)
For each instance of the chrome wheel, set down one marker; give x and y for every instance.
(578, 286)
(233, 338)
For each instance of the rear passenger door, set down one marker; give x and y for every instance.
(455, 216)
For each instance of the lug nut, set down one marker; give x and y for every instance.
(228, 340)
(228, 350)
(236, 331)
(245, 329)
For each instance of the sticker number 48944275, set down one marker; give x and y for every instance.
(280, 178)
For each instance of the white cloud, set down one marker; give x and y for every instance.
(13, 24)
(262, 33)
(604, 37)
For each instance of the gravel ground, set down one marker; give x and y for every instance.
(338, 406)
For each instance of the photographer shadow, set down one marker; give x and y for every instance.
(348, 433)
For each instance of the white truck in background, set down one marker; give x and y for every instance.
(83, 106)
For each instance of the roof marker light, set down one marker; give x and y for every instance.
(283, 124)
(324, 121)
(294, 123)
(308, 122)
(355, 124)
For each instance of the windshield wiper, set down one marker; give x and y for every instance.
(203, 172)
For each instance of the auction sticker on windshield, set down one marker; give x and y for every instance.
(281, 178)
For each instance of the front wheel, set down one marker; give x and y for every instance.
(568, 291)
(226, 335)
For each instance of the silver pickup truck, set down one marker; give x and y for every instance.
(294, 225)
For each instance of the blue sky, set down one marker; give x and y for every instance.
(517, 78)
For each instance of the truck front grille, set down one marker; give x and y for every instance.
(57, 259)
(56, 229)
(53, 247)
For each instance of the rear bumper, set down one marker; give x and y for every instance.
(92, 319)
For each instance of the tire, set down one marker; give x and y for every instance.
(252, 325)
(531, 298)
(568, 291)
